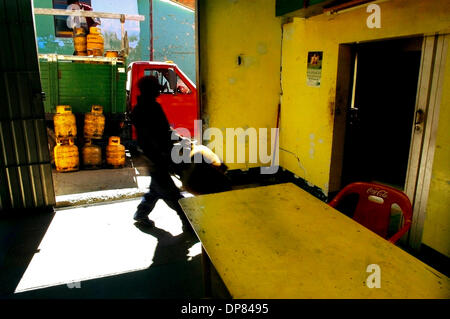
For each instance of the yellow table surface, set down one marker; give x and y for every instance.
(281, 242)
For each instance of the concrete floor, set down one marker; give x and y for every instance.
(102, 185)
(98, 251)
(90, 247)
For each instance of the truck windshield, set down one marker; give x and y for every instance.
(163, 77)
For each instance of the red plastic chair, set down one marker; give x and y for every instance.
(375, 214)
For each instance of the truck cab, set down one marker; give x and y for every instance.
(178, 97)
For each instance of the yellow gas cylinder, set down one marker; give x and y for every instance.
(115, 153)
(94, 122)
(95, 42)
(92, 155)
(79, 41)
(66, 155)
(64, 121)
(112, 54)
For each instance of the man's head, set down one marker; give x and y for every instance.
(149, 86)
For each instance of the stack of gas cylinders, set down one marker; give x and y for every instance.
(90, 44)
(66, 153)
(94, 125)
(94, 42)
(79, 41)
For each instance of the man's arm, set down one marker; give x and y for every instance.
(92, 21)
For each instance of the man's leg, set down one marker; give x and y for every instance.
(148, 202)
(167, 190)
(170, 193)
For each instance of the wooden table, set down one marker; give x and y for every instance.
(281, 242)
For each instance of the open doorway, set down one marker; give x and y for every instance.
(156, 31)
(39, 253)
(381, 113)
(388, 94)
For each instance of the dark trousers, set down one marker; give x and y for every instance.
(161, 187)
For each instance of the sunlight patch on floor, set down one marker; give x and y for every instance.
(95, 241)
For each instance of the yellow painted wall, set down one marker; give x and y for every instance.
(247, 95)
(307, 113)
(437, 222)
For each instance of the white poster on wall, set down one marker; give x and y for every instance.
(314, 68)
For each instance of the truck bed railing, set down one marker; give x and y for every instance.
(60, 57)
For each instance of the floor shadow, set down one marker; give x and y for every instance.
(20, 237)
(169, 248)
(172, 274)
(180, 280)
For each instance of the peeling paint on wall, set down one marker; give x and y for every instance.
(262, 48)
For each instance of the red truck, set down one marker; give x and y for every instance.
(178, 97)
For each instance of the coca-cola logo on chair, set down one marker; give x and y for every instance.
(377, 192)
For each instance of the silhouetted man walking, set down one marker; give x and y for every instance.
(154, 138)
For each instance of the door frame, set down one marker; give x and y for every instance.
(423, 140)
(429, 96)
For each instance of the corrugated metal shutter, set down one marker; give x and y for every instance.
(25, 170)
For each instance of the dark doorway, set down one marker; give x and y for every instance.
(380, 117)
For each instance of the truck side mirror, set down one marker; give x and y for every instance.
(172, 80)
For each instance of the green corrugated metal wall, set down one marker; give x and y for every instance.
(25, 171)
